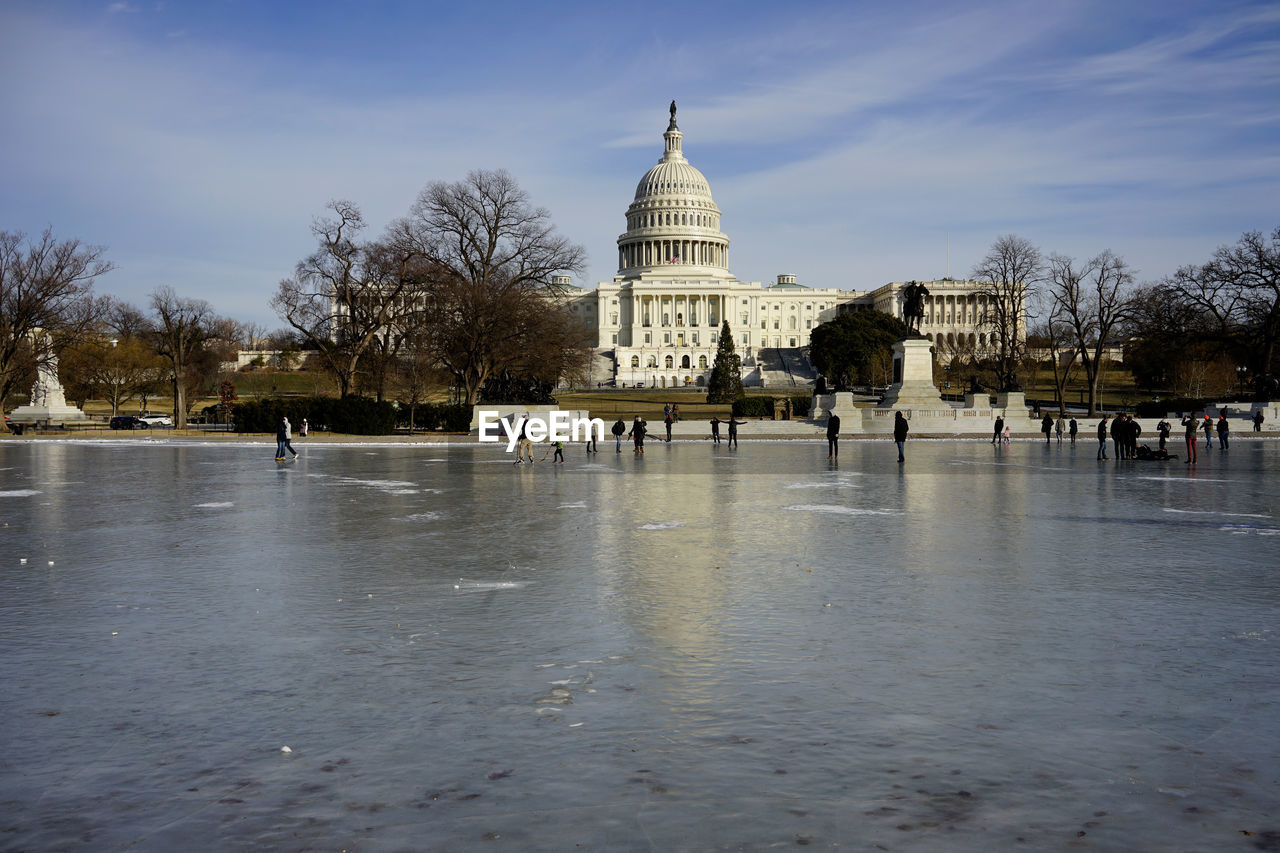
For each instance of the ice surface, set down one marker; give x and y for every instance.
(976, 650)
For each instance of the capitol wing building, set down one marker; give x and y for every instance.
(657, 323)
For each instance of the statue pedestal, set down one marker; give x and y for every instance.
(47, 415)
(1015, 400)
(48, 404)
(913, 386)
(839, 403)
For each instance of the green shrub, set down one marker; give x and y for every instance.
(449, 417)
(455, 417)
(753, 407)
(800, 405)
(350, 415)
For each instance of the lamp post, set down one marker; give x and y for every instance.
(1241, 372)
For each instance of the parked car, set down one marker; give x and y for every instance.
(127, 422)
(156, 420)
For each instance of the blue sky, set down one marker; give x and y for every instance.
(848, 143)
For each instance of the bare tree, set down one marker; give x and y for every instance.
(1239, 289)
(1162, 331)
(1092, 301)
(416, 373)
(124, 320)
(1055, 338)
(253, 336)
(45, 300)
(489, 256)
(115, 369)
(1006, 274)
(346, 294)
(181, 327)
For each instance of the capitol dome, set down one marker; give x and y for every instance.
(673, 219)
(673, 176)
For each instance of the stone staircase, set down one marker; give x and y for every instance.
(785, 367)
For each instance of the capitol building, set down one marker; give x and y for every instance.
(657, 323)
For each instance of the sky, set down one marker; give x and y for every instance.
(849, 143)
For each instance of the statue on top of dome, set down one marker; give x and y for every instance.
(672, 126)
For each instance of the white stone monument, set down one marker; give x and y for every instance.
(48, 401)
(913, 386)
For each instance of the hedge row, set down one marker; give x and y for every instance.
(1161, 408)
(348, 415)
(762, 407)
(449, 417)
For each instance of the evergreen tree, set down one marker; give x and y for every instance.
(845, 349)
(725, 384)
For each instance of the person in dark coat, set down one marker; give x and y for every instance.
(1134, 429)
(733, 430)
(1075, 428)
(1117, 436)
(1257, 420)
(1224, 432)
(1102, 438)
(1163, 429)
(1207, 426)
(619, 430)
(900, 429)
(833, 436)
(667, 420)
(1046, 426)
(284, 439)
(715, 430)
(637, 434)
(995, 436)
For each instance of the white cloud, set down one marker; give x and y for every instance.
(846, 156)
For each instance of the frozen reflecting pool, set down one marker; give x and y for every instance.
(699, 649)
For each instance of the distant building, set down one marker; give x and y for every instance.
(658, 321)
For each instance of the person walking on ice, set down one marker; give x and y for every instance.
(900, 429)
(284, 440)
(833, 436)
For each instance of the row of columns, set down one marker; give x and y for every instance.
(965, 310)
(706, 309)
(648, 253)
